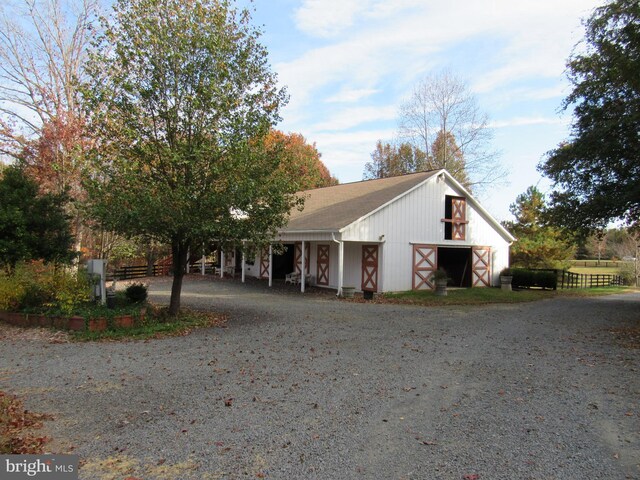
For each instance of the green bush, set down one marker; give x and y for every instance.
(628, 274)
(136, 292)
(35, 286)
(11, 293)
(526, 278)
(70, 290)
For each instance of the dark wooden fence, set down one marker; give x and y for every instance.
(158, 270)
(587, 280)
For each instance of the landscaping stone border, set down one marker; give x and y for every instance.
(76, 323)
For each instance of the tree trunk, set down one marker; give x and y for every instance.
(179, 253)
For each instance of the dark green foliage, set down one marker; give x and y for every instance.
(180, 98)
(597, 171)
(538, 244)
(526, 278)
(32, 226)
(136, 292)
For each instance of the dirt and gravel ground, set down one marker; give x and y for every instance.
(309, 387)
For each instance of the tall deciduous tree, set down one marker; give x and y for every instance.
(538, 244)
(300, 160)
(33, 226)
(43, 45)
(445, 151)
(597, 171)
(442, 106)
(181, 97)
(389, 160)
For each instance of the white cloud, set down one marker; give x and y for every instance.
(536, 38)
(327, 18)
(350, 95)
(372, 52)
(352, 117)
(527, 121)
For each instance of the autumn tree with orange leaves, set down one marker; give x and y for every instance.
(299, 160)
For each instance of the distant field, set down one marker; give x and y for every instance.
(596, 264)
(592, 267)
(595, 270)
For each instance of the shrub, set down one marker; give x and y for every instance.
(70, 290)
(506, 272)
(525, 278)
(628, 273)
(38, 286)
(11, 293)
(439, 274)
(136, 292)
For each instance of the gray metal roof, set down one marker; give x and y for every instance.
(332, 208)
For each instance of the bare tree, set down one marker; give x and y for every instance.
(598, 243)
(42, 51)
(43, 45)
(441, 106)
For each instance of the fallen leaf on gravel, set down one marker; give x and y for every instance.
(471, 476)
(228, 402)
(428, 442)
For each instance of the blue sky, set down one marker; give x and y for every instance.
(349, 64)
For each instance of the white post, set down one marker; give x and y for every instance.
(221, 263)
(202, 264)
(340, 267)
(270, 265)
(303, 269)
(243, 259)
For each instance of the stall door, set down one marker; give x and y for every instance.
(459, 208)
(481, 266)
(298, 256)
(370, 268)
(425, 262)
(264, 263)
(322, 276)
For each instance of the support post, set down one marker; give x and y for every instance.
(221, 263)
(270, 265)
(244, 261)
(303, 269)
(340, 267)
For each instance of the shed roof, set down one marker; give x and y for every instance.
(333, 208)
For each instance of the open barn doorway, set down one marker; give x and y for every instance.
(283, 263)
(457, 263)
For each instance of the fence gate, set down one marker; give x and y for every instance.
(425, 261)
(481, 266)
(370, 268)
(322, 277)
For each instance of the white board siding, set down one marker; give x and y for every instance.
(417, 218)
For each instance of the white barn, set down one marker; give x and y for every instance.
(389, 235)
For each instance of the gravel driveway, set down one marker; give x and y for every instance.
(309, 387)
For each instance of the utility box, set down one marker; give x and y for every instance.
(97, 271)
